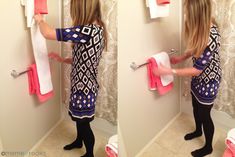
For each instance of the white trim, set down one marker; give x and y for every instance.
(1, 147)
(200, 101)
(43, 138)
(82, 116)
(121, 145)
(159, 134)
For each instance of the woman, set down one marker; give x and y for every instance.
(203, 44)
(88, 35)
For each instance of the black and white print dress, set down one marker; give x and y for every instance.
(87, 50)
(205, 86)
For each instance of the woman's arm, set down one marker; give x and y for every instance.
(180, 72)
(56, 57)
(46, 30)
(186, 72)
(76, 34)
(181, 58)
(68, 60)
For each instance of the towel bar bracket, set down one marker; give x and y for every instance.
(16, 74)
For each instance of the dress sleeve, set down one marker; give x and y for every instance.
(78, 34)
(202, 62)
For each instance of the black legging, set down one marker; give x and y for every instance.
(86, 135)
(203, 119)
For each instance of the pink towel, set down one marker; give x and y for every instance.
(155, 81)
(159, 2)
(230, 151)
(111, 150)
(40, 7)
(34, 87)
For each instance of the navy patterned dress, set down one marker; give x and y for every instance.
(205, 86)
(87, 50)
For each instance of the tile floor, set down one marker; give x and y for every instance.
(172, 144)
(65, 133)
(169, 144)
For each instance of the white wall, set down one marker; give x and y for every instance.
(23, 121)
(142, 113)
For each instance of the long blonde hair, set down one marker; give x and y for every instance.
(84, 12)
(197, 25)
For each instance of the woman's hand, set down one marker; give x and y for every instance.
(47, 31)
(55, 57)
(162, 70)
(176, 59)
(38, 18)
(181, 58)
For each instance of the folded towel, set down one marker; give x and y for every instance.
(230, 142)
(155, 81)
(163, 58)
(34, 86)
(40, 7)
(147, 3)
(41, 58)
(231, 136)
(111, 150)
(228, 153)
(112, 147)
(158, 10)
(29, 11)
(163, 2)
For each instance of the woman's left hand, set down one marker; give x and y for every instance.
(162, 70)
(38, 18)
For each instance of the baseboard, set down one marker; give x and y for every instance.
(160, 133)
(1, 147)
(44, 137)
(121, 145)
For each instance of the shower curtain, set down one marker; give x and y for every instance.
(225, 17)
(106, 106)
(224, 13)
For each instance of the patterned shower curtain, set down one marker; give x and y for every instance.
(224, 13)
(225, 17)
(106, 106)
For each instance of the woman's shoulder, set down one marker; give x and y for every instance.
(214, 30)
(88, 26)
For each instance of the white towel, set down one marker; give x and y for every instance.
(158, 10)
(23, 2)
(164, 59)
(231, 136)
(41, 58)
(147, 3)
(29, 11)
(113, 139)
(113, 143)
